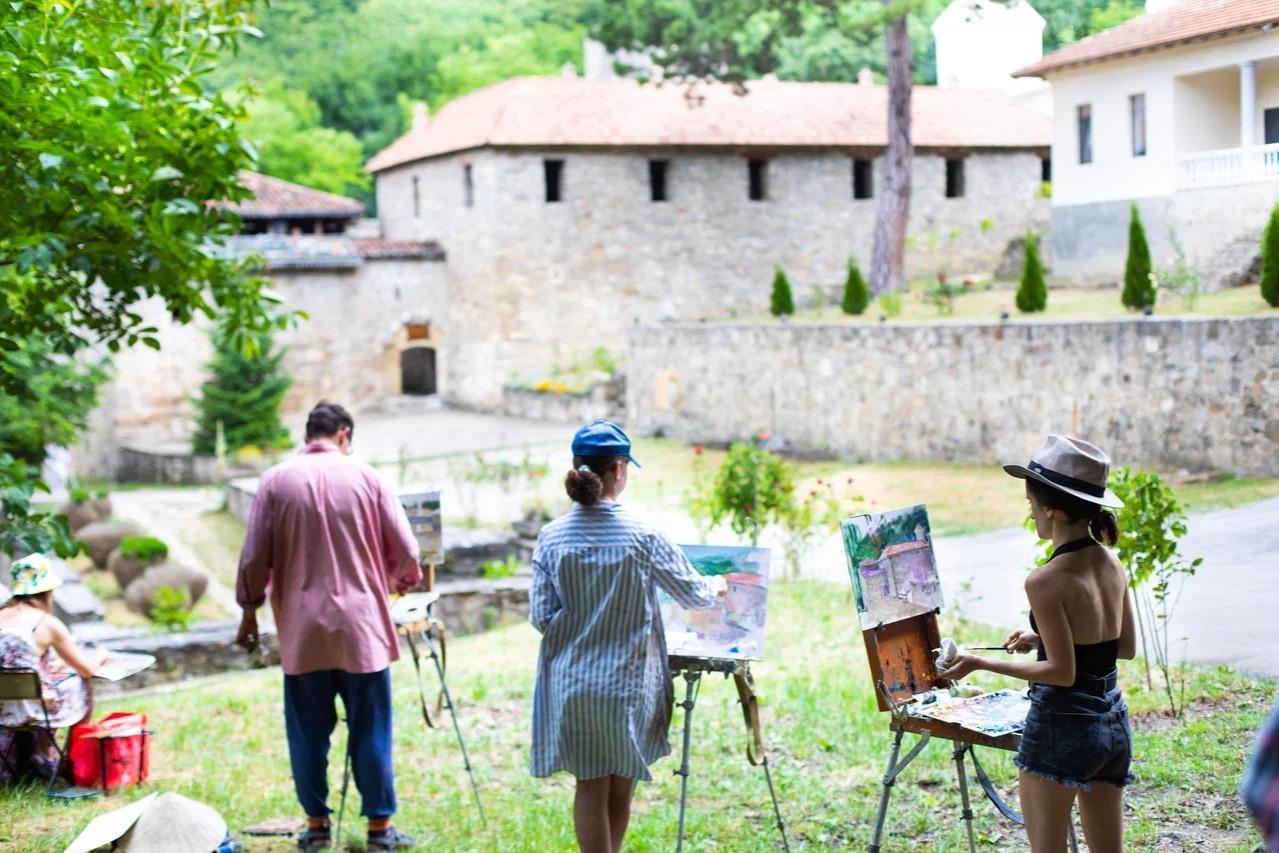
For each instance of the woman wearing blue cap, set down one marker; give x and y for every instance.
(602, 707)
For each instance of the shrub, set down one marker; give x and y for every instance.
(170, 609)
(144, 549)
(603, 361)
(1270, 260)
(890, 304)
(1032, 295)
(782, 303)
(498, 569)
(1139, 290)
(753, 488)
(242, 399)
(856, 294)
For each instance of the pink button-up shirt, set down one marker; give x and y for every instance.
(327, 536)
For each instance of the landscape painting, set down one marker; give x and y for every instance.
(427, 521)
(734, 628)
(891, 564)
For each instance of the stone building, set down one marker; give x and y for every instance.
(376, 311)
(1177, 111)
(572, 208)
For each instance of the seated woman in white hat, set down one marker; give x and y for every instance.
(29, 632)
(1077, 743)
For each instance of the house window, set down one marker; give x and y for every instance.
(757, 177)
(1083, 123)
(1137, 112)
(954, 178)
(1270, 121)
(417, 197)
(553, 172)
(468, 186)
(1046, 169)
(863, 179)
(657, 170)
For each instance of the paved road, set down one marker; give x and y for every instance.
(1227, 612)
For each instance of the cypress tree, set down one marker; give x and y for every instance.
(1032, 295)
(243, 396)
(1270, 259)
(1139, 290)
(782, 303)
(856, 294)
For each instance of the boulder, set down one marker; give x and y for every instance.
(75, 602)
(103, 537)
(81, 514)
(126, 570)
(140, 595)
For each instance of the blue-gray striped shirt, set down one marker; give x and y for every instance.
(602, 705)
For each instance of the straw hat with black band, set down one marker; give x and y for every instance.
(1072, 466)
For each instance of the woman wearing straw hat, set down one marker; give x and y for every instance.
(28, 632)
(1077, 741)
(602, 705)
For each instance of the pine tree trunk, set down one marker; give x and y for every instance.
(894, 202)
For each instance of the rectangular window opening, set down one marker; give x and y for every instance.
(417, 196)
(1046, 169)
(757, 173)
(1083, 123)
(1137, 112)
(863, 179)
(1270, 122)
(954, 178)
(657, 170)
(468, 186)
(553, 171)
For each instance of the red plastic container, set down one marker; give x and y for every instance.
(111, 753)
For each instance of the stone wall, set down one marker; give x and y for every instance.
(1159, 393)
(347, 351)
(143, 466)
(535, 286)
(603, 400)
(1219, 229)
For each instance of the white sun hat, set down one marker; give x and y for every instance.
(1073, 466)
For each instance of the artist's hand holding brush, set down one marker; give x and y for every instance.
(1022, 642)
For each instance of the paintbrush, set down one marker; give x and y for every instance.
(986, 649)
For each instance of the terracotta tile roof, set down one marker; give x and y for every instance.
(371, 249)
(1187, 21)
(572, 111)
(277, 199)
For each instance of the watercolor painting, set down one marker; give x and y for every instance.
(891, 564)
(995, 714)
(734, 629)
(427, 521)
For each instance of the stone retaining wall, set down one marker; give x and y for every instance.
(604, 400)
(1158, 393)
(145, 466)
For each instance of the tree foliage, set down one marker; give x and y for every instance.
(781, 303)
(240, 404)
(1032, 294)
(856, 297)
(1270, 259)
(1139, 289)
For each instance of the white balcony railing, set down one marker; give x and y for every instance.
(1229, 166)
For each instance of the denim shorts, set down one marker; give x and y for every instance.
(1079, 735)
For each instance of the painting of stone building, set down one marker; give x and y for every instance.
(891, 565)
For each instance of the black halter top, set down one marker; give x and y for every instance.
(1092, 659)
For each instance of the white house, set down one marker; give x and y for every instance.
(1178, 111)
(981, 43)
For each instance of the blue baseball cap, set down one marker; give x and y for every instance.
(603, 438)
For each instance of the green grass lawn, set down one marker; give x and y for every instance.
(985, 303)
(223, 742)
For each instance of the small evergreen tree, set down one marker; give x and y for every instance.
(1139, 290)
(1270, 260)
(242, 399)
(856, 295)
(782, 303)
(1032, 295)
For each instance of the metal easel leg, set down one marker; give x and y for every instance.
(960, 749)
(895, 768)
(692, 682)
(777, 812)
(457, 729)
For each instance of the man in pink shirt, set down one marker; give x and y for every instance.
(330, 541)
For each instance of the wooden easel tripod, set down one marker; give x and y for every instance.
(901, 664)
(692, 670)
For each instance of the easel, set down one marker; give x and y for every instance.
(902, 666)
(420, 626)
(692, 670)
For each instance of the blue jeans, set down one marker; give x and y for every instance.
(1078, 735)
(310, 715)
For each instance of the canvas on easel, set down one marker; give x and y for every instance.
(733, 629)
(891, 565)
